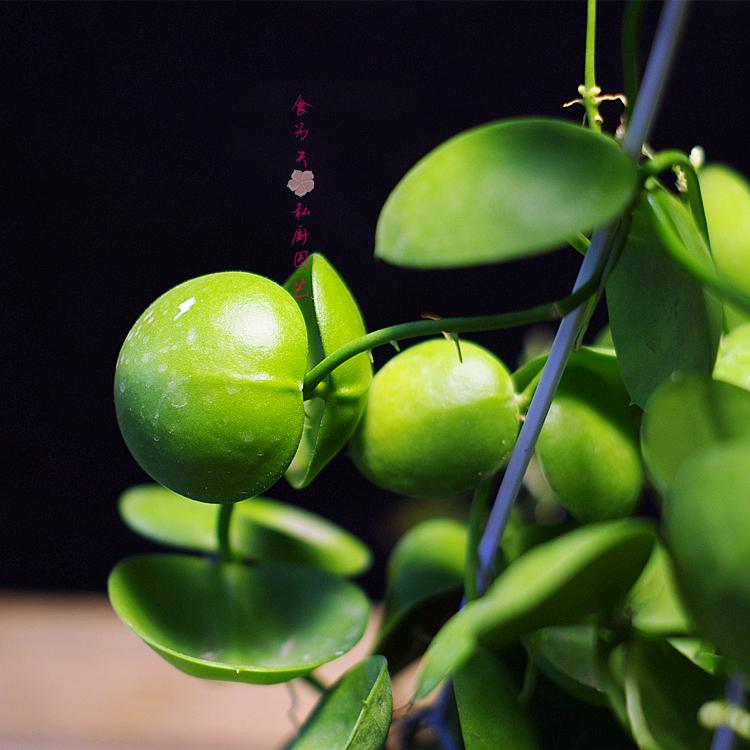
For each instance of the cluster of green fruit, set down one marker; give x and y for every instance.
(215, 401)
(208, 391)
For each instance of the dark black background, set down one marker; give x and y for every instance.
(150, 143)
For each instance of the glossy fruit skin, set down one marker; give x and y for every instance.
(733, 361)
(588, 447)
(726, 200)
(208, 386)
(434, 425)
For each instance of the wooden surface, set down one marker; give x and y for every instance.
(73, 677)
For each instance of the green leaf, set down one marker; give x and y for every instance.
(682, 239)
(560, 582)
(733, 362)
(567, 654)
(686, 415)
(653, 603)
(503, 190)
(425, 577)
(355, 714)
(726, 200)
(707, 525)
(488, 708)
(661, 319)
(224, 621)
(261, 529)
(703, 655)
(598, 359)
(333, 319)
(664, 692)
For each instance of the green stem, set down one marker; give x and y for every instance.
(667, 160)
(222, 531)
(579, 242)
(631, 58)
(590, 89)
(312, 680)
(540, 313)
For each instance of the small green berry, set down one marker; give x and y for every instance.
(435, 425)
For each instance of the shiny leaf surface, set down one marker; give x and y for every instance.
(686, 415)
(503, 190)
(555, 583)
(488, 708)
(355, 714)
(333, 319)
(261, 529)
(263, 624)
(425, 578)
(662, 321)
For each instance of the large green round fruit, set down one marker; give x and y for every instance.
(588, 447)
(435, 425)
(208, 386)
(733, 360)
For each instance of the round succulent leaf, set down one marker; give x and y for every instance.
(653, 604)
(503, 190)
(568, 655)
(707, 526)
(355, 714)
(225, 621)
(208, 386)
(556, 583)
(733, 361)
(664, 692)
(726, 201)
(261, 529)
(685, 415)
(425, 579)
(488, 708)
(661, 319)
(332, 318)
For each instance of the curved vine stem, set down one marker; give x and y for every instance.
(664, 160)
(222, 531)
(417, 328)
